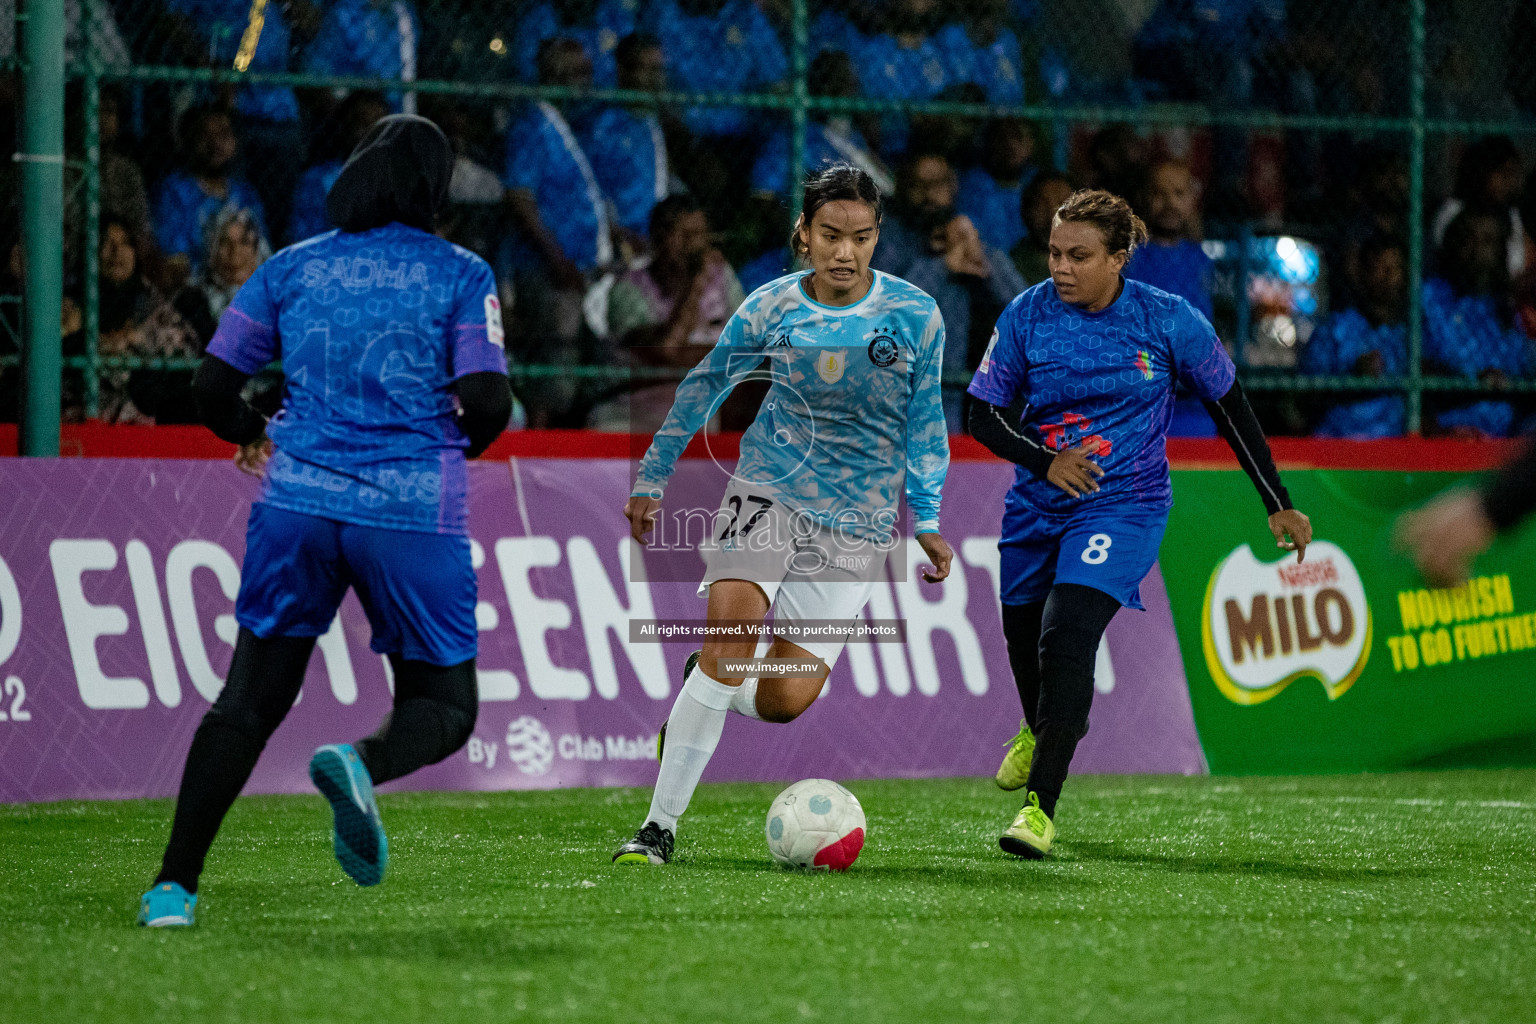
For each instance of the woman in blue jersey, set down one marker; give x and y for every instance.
(853, 417)
(391, 345)
(1092, 357)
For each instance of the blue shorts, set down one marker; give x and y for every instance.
(1109, 549)
(418, 588)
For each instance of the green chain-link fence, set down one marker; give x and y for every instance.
(1282, 107)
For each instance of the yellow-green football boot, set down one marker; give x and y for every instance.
(1030, 834)
(1014, 771)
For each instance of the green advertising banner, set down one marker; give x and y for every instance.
(1348, 661)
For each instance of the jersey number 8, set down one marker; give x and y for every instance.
(1098, 548)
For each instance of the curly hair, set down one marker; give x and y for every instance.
(1121, 229)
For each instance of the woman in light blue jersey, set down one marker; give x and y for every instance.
(853, 422)
(1092, 357)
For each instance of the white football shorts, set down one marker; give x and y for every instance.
(808, 571)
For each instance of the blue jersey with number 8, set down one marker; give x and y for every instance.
(1103, 378)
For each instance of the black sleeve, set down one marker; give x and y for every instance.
(1239, 427)
(216, 389)
(996, 428)
(1510, 495)
(485, 404)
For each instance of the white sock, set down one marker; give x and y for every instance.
(693, 732)
(744, 700)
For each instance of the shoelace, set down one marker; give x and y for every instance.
(1034, 817)
(1024, 736)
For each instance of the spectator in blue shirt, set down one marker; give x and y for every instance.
(1368, 339)
(190, 198)
(598, 25)
(564, 232)
(626, 144)
(1173, 259)
(719, 46)
(981, 48)
(1469, 328)
(267, 116)
(335, 140)
(369, 39)
(1038, 204)
(829, 139)
(903, 62)
(990, 194)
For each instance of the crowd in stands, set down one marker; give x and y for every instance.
(624, 235)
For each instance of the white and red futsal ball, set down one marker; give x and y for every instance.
(816, 825)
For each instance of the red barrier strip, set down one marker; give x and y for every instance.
(1408, 454)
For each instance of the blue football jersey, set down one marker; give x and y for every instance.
(853, 411)
(372, 329)
(1105, 378)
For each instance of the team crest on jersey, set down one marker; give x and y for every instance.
(1144, 363)
(830, 364)
(882, 348)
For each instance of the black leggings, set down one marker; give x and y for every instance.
(433, 715)
(1052, 645)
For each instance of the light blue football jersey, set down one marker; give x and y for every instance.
(853, 413)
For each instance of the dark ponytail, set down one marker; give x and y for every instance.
(829, 185)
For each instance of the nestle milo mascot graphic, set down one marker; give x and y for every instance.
(1267, 624)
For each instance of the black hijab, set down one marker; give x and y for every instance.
(399, 172)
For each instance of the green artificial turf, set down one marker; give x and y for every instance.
(1363, 898)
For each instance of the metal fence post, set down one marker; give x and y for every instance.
(42, 195)
(1415, 216)
(799, 42)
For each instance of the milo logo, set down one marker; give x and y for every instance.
(1265, 625)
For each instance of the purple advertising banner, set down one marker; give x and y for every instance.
(117, 586)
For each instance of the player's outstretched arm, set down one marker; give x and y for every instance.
(1446, 535)
(1239, 427)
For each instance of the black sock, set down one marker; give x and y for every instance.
(1072, 625)
(434, 713)
(264, 680)
(1021, 629)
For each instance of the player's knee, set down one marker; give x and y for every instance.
(461, 725)
(779, 713)
(1068, 649)
(787, 700)
(462, 701)
(242, 718)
